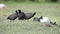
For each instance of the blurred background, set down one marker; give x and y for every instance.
(48, 8)
(32, 0)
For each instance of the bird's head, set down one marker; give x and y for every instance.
(19, 10)
(41, 17)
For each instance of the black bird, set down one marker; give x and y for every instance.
(29, 15)
(20, 15)
(12, 16)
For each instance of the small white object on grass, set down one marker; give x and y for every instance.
(2, 6)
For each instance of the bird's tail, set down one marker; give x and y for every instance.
(56, 24)
(34, 13)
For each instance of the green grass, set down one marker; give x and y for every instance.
(51, 10)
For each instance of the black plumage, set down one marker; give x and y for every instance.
(29, 15)
(26, 16)
(20, 15)
(12, 16)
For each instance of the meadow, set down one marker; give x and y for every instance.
(51, 10)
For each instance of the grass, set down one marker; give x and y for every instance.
(51, 10)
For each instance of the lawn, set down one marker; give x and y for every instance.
(51, 10)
